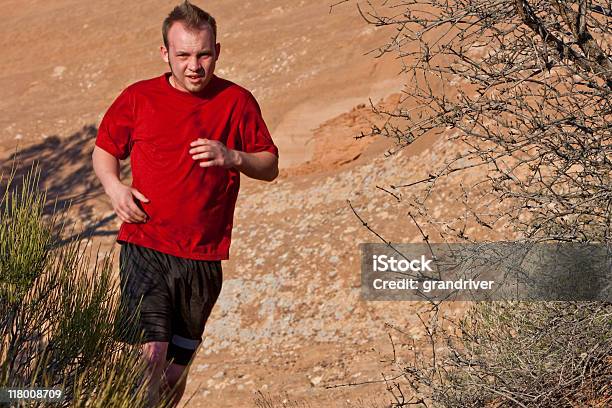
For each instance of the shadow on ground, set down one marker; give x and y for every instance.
(67, 175)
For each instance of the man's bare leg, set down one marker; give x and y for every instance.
(154, 354)
(173, 378)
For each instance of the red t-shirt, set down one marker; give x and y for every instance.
(190, 208)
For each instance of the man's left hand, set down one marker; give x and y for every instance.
(213, 153)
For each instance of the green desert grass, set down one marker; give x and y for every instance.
(57, 312)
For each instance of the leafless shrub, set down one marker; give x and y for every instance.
(514, 354)
(525, 88)
(522, 88)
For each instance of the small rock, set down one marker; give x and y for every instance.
(315, 381)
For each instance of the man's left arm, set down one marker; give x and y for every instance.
(259, 165)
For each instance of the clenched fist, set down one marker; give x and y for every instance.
(213, 153)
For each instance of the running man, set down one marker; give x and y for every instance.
(189, 134)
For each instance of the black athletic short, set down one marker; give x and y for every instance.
(174, 297)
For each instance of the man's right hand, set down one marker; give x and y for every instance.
(122, 200)
(122, 197)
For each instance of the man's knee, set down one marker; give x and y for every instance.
(154, 352)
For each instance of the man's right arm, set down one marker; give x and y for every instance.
(106, 167)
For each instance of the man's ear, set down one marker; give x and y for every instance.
(164, 53)
(217, 50)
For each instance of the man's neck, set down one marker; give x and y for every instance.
(172, 83)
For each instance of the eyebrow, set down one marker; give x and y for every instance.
(201, 52)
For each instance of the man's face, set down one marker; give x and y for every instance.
(192, 55)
